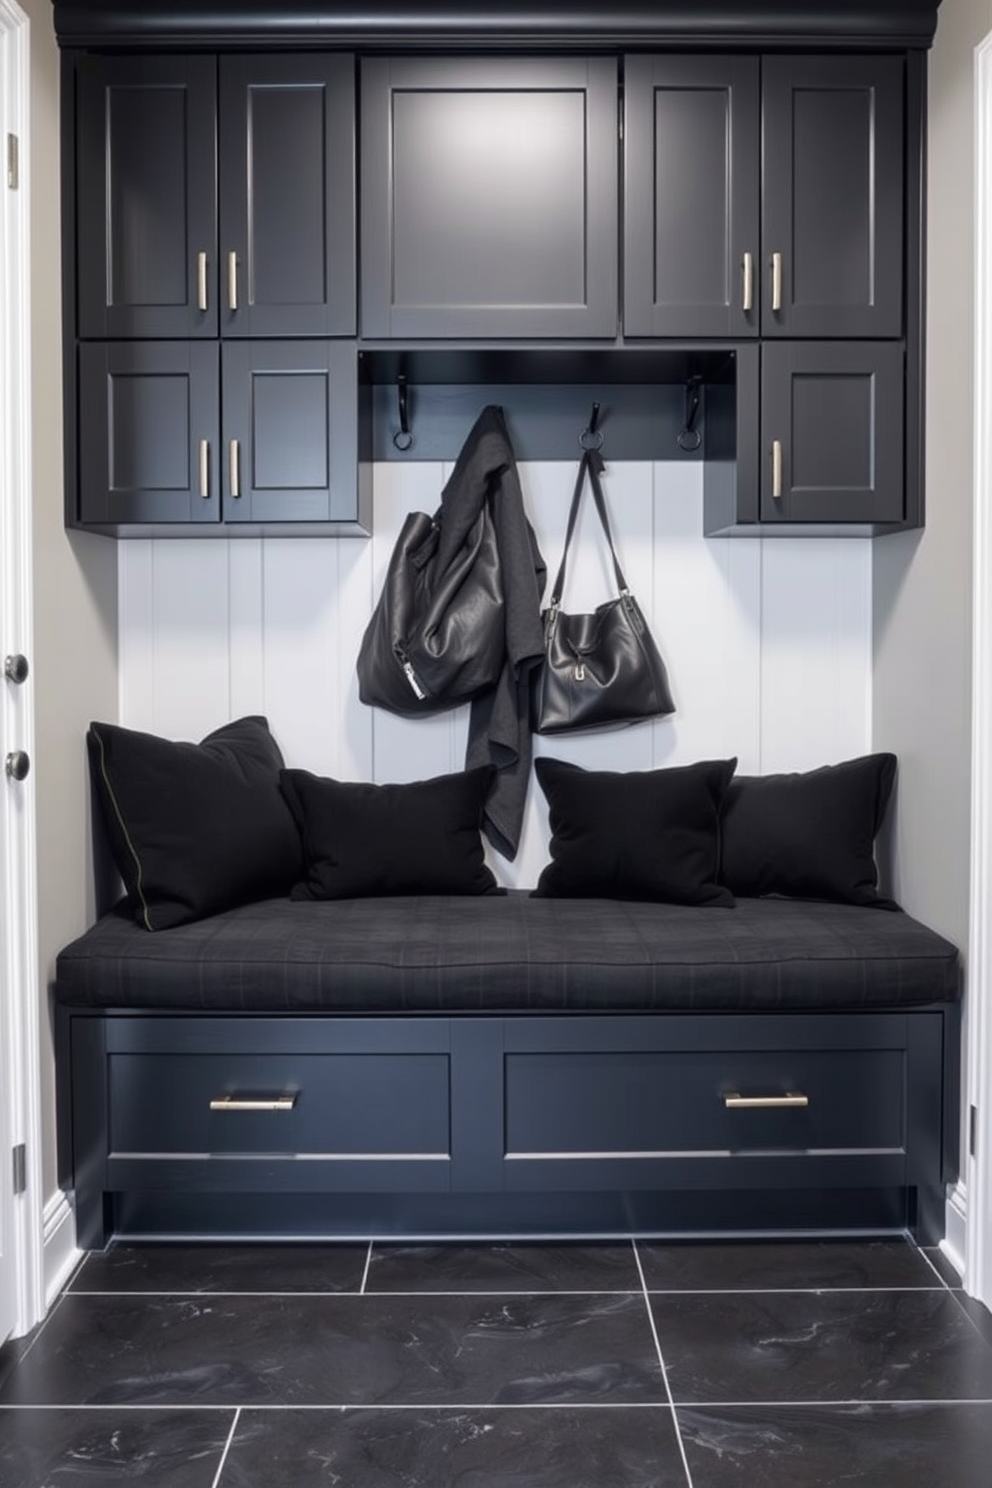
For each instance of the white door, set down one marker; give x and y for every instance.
(18, 940)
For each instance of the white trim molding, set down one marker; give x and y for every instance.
(977, 1165)
(21, 968)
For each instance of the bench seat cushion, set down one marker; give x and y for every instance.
(512, 953)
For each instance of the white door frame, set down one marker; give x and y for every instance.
(21, 970)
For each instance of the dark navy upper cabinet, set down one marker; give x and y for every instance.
(833, 192)
(287, 195)
(146, 199)
(691, 196)
(489, 197)
(764, 196)
(153, 152)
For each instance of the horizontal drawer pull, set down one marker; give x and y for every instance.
(735, 1102)
(253, 1103)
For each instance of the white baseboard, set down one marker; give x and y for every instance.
(953, 1245)
(61, 1256)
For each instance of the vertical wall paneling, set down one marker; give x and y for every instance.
(768, 642)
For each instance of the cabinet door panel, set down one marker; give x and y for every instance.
(287, 202)
(833, 191)
(148, 432)
(691, 184)
(147, 192)
(489, 197)
(835, 412)
(291, 410)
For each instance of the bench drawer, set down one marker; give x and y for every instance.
(657, 1103)
(349, 1105)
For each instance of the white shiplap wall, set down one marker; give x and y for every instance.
(767, 642)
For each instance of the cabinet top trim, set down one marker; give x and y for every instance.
(557, 24)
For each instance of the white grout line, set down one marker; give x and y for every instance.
(227, 1447)
(664, 1371)
(365, 1273)
(456, 1407)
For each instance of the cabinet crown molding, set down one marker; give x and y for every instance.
(557, 24)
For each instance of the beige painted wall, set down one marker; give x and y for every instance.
(922, 581)
(75, 588)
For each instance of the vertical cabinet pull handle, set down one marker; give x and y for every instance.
(201, 281)
(777, 469)
(205, 469)
(776, 281)
(232, 281)
(233, 458)
(747, 291)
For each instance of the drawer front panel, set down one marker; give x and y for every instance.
(346, 1105)
(656, 1104)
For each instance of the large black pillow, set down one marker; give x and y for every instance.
(808, 835)
(650, 835)
(194, 828)
(423, 837)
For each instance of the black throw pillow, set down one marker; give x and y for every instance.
(649, 835)
(808, 835)
(360, 839)
(194, 828)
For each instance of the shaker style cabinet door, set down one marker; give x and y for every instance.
(833, 196)
(290, 422)
(149, 430)
(146, 228)
(287, 195)
(832, 431)
(691, 196)
(489, 197)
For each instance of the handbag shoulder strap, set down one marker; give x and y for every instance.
(591, 464)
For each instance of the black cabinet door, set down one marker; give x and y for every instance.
(832, 196)
(290, 415)
(832, 431)
(691, 192)
(148, 432)
(146, 209)
(287, 195)
(489, 197)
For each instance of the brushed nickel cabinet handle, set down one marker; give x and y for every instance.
(232, 281)
(234, 451)
(201, 280)
(735, 1102)
(777, 469)
(253, 1103)
(205, 469)
(776, 281)
(747, 289)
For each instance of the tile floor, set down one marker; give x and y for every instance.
(762, 1364)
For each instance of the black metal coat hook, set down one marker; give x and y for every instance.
(403, 438)
(689, 436)
(592, 436)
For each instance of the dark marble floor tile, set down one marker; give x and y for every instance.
(341, 1350)
(553, 1448)
(978, 1313)
(943, 1267)
(503, 1268)
(857, 1446)
(825, 1346)
(157, 1449)
(759, 1265)
(223, 1268)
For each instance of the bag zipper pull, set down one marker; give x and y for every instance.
(411, 676)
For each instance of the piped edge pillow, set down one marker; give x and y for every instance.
(194, 828)
(642, 835)
(360, 839)
(808, 835)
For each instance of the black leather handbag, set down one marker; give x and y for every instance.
(437, 635)
(599, 670)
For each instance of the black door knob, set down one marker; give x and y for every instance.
(17, 765)
(15, 668)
